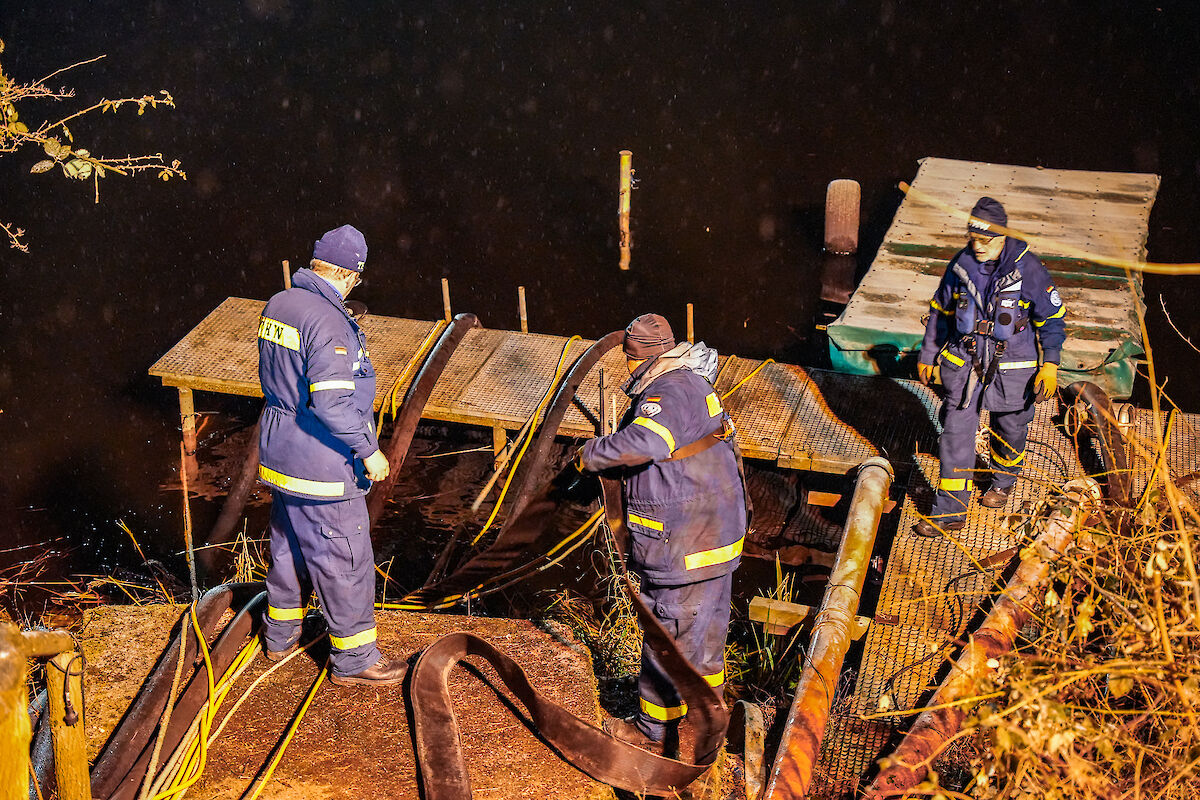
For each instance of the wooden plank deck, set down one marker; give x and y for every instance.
(802, 419)
(1105, 213)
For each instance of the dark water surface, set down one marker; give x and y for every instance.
(478, 142)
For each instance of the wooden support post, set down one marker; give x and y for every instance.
(691, 327)
(187, 418)
(287, 275)
(604, 430)
(521, 309)
(14, 716)
(446, 299)
(64, 678)
(626, 189)
(499, 442)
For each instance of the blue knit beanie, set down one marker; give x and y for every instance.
(343, 247)
(987, 212)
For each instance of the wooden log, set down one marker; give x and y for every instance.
(64, 681)
(626, 188)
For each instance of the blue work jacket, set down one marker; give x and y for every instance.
(998, 311)
(686, 518)
(319, 387)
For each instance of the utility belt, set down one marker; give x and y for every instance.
(978, 375)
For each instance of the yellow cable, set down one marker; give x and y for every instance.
(729, 360)
(283, 745)
(184, 761)
(756, 370)
(449, 600)
(389, 402)
(208, 671)
(537, 411)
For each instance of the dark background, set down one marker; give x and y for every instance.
(478, 141)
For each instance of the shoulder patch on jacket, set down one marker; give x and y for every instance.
(649, 408)
(1054, 296)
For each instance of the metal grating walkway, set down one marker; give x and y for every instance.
(930, 589)
(802, 419)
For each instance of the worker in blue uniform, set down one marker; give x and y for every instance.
(319, 454)
(996, 329)
(686, 510)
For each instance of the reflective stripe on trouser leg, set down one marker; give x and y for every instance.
(697, 615)
(1010, 430)
(335, 543)
(956, 451)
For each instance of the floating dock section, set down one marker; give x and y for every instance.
(1103, 213)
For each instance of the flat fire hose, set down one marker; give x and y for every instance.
(580, 743)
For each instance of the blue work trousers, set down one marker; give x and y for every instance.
(326, 545)
(956, 449)
(697, 616)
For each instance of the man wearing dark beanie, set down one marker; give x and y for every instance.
(994, 310)
(319, 454)
(685, 508)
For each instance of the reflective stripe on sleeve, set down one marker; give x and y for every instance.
(1017, 364)
(302, 485)
(646, 522)
(658, 428)
(351, 642)
(716, 679)
(322, 385)
(281, 334)
(1061, 310)
(718, 555)
(285, 614)
(663, 713)
(955, 484)
(1008, 462)
(953, 359)
(714, 404)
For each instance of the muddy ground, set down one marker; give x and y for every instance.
(355, 742)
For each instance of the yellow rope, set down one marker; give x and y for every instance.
(739, 384)
(287, 739)
(537, 412)
(208, 671)
(450, 600)
(1058, 246)
(389, 402)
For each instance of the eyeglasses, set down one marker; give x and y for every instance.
(982, 238)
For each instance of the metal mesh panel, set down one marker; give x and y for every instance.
(764, 406)
(851, 746)
(470, 356)
(223, 349)
(392, 343)
(515, 377)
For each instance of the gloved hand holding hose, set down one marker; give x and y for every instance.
(1045, 383)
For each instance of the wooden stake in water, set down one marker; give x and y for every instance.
(446, 298)
(187, 523)
(623, 206)
(604, 431)
(691, 328)
(521, 309)
(287, 275)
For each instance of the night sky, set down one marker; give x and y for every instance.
(478, 142)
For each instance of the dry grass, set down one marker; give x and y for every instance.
(1102, 702)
